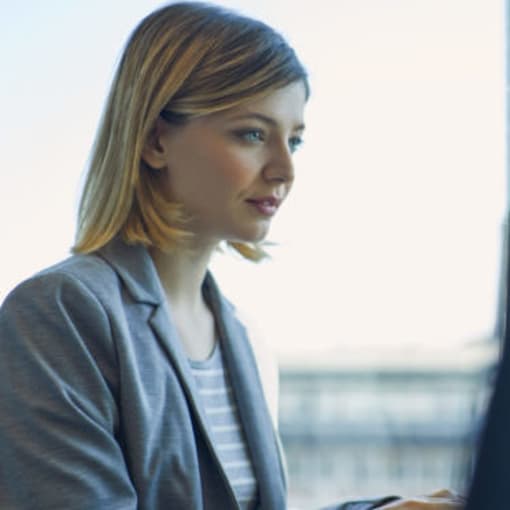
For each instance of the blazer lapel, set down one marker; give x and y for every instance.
(163, 326)
(135, 267)
(251, 403)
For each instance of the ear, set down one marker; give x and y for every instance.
(153, 152)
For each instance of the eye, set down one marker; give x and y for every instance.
(294, 143)
(251, 135)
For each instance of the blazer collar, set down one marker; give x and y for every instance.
(134, 265)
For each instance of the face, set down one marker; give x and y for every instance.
(232, 170)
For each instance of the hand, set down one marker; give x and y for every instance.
(440, 500)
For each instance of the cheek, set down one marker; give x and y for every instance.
(213, 170)
(238, 169)
(226, 172)
(235, 177)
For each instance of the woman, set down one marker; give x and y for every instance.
(127, 380)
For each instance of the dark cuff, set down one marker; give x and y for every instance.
(367, 504)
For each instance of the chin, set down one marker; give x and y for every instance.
(250, 237)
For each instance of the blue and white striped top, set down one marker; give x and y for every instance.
(227, 434)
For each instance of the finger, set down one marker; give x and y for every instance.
(449, 495)
(441, 493)
(444, 493)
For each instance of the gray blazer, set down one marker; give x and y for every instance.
(98, 406)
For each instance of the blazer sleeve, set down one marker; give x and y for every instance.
(58, 412)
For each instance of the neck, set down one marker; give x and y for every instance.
(182, 273)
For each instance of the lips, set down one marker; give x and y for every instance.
(266, 206)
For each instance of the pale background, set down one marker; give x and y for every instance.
(389, 245)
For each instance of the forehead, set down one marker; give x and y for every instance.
(284, 106)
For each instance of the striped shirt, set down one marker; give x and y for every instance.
(227, 435)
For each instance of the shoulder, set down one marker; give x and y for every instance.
(80, 294)
(67, 281)
(61, 317)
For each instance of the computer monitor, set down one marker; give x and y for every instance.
(490, 484)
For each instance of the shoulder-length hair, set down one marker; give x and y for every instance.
(182, 60)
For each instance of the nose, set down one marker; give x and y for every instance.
(279, 166)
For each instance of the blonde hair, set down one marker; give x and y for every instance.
(182, 60)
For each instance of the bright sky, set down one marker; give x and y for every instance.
(392, 234)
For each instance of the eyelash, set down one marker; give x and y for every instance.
(246, 135)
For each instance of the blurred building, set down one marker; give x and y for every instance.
(356, 433)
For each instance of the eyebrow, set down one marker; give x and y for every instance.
(264, 118)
